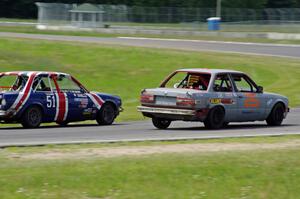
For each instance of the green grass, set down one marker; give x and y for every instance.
(126, 70)
(234, 174)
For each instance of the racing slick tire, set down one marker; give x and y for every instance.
(276, 116)
(215, 118)
(106, 115)
(32, 117)
(161, 123)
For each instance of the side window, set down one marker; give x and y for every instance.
(66, 84)
(222, 83)
(42, 84)
(243, 84)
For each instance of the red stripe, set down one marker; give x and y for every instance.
(62, 106)
(97, 98)
(26, 92)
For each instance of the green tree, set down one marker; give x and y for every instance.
(282, 3)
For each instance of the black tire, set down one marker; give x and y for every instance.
(106, 115)
(225, 124)
(32, 117)
(161, 123)
(215, 118)
(276, 116)
(64, 123)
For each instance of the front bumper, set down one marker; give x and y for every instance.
(145, 109)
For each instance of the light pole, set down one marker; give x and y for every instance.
(218, 9)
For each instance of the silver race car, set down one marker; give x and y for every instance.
(215, 97)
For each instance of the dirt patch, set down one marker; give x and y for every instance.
(158, 149)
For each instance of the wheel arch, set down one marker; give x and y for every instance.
(218, 105)
(275, 103)
(30, 105)
(113, 104)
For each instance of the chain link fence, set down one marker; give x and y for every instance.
(90, 15)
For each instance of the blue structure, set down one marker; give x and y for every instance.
(214, 23)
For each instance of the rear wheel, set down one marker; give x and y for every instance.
(215, 118)
(276, 116)
(161, 123)
(106, 115)
(32, 117)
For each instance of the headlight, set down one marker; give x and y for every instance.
(3, 102)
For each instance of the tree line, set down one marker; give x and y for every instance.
(28, 9)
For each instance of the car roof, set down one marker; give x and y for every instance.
(207, 70)
(28, 72)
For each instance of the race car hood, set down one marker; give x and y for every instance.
(275, 95)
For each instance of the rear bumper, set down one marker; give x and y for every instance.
(145, 109)
(173, 113)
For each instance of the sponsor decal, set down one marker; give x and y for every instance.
(227, 101)
(87, 111)
(83, 102)
(221, 101)
(251, 101)
(215, 100)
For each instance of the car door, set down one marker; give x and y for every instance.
(79, 104)
(251, 103)
(44, 95)
(224, 94)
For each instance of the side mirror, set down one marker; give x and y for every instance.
(260, 89)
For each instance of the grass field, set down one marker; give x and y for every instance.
(127, 70)
(256, 173)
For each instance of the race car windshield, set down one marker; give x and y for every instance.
(188, 80)
(12, 82)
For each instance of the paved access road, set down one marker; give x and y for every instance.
(281, 50)
(135, 131)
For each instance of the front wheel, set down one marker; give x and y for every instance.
(161, 123)
(106, 115)
(32, 117)
(276, 116)
(215, 118)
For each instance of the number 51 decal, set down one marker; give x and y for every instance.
(50, 101)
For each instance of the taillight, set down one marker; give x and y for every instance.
(147, 98)
(182, 101)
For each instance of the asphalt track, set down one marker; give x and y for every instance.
(139, 131)
(279, 50)
(143, 130)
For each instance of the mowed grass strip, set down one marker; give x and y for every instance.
(125, 71)
(269, 173)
